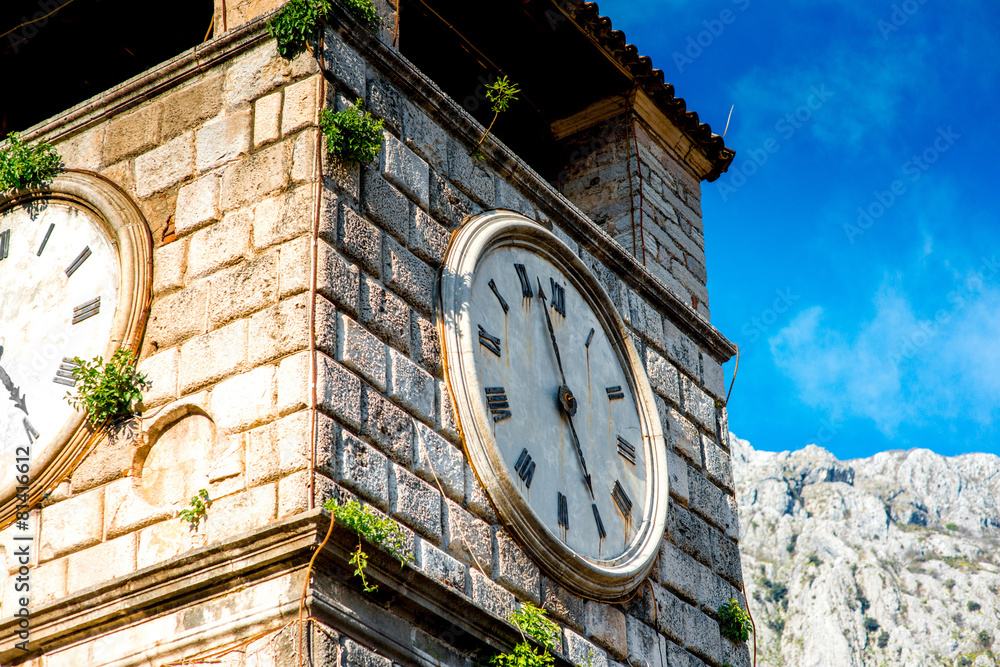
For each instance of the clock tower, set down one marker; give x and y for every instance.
(499, 339)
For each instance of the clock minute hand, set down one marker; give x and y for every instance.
(552, 333)
(565, 398)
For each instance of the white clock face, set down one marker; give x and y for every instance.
(559, 422)
(59, 283)
(542, 408)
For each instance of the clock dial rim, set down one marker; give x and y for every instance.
(126, 228)
(609, 579)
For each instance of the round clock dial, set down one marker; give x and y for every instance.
(58, 290)
(558, 417)
(74, 282)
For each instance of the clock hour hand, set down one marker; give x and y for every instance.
(552, 333)
(579, 453)
(15, 393)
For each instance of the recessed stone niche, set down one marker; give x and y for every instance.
(175, 466)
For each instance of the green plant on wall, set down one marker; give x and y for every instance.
(107, 392)
(352, 134)
(299, 21)
(197, 509)
(532, 622)
(373, 527)
(24, 165)
(734, 623)
(500, 93)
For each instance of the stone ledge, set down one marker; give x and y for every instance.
(283, 547)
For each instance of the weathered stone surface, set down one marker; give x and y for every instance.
(282, 218)
(386, 426)
(489, 595)
(338, 391)
(689, 533)
(169, 265)
(164, 166)
(222, 140)
(337, 279)
(426, 343)
(447, 421)
(361, 240)
(137, 132)
(84, 150)
(467, 538)
(428, 239)
(726, 558)
(643, 644)
(219, 245)
(72, 525)
(702, 636)
(213, 356)
(709, 500)
(253, 75)
(699, 404)
(197, 204)
(448, 204)
(404, 168)
(682, 435)
(438, 461)
(114, 558)
(408, 276)
(126, 510)
(680, 348)
(251, 179)
(364, 470)
(343, 63)
(283, 329)
(713, 377)
(192, 105)
(581, 652)
(677, 469)
(475, 497)
(243, 289)
(356, 655)
(411, 386)
(424, 136)
(441, 566)
(385, 314)
(242, 512)
(161, 371)
(305, 166)
(267, 119)
(300, 105)
(469, 177)
(663, 377)
(245, 400)
(278, 449)
(513, 569)
(718, 464)
(415, 502)
(563, 605)
(606, 626)
(386, 205)
(679, 572)
(361, 351)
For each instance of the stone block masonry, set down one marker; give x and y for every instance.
(236, 336)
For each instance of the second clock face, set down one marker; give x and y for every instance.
(556, 392)
(58, 293)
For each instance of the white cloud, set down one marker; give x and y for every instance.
(900, 368)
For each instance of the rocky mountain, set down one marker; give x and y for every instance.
(885, 561)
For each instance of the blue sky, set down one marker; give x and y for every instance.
(853, 247)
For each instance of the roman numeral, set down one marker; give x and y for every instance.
(30, 430)
(525, 283)
(86, 310)
(65, 373)
(503, 302)
(626, 450)
(600, 524)
(621, 499)
(525, 468)
(46, 239)
(558, 297)
(563, 511)
(496, 401)
(491, 343)
(590, 337)
(4, 243)
(80, 259)
(614, 393)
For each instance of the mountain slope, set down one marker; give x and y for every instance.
(884, 561)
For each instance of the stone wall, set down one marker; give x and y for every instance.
(662, 228)
(224, 166)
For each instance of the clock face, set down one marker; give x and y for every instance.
(59, 284)
(558, 418)
(592, 498)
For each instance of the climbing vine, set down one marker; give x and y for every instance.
(373, 527)
(532, 622)
(352, 134)
(500, 93)
(23, 165)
